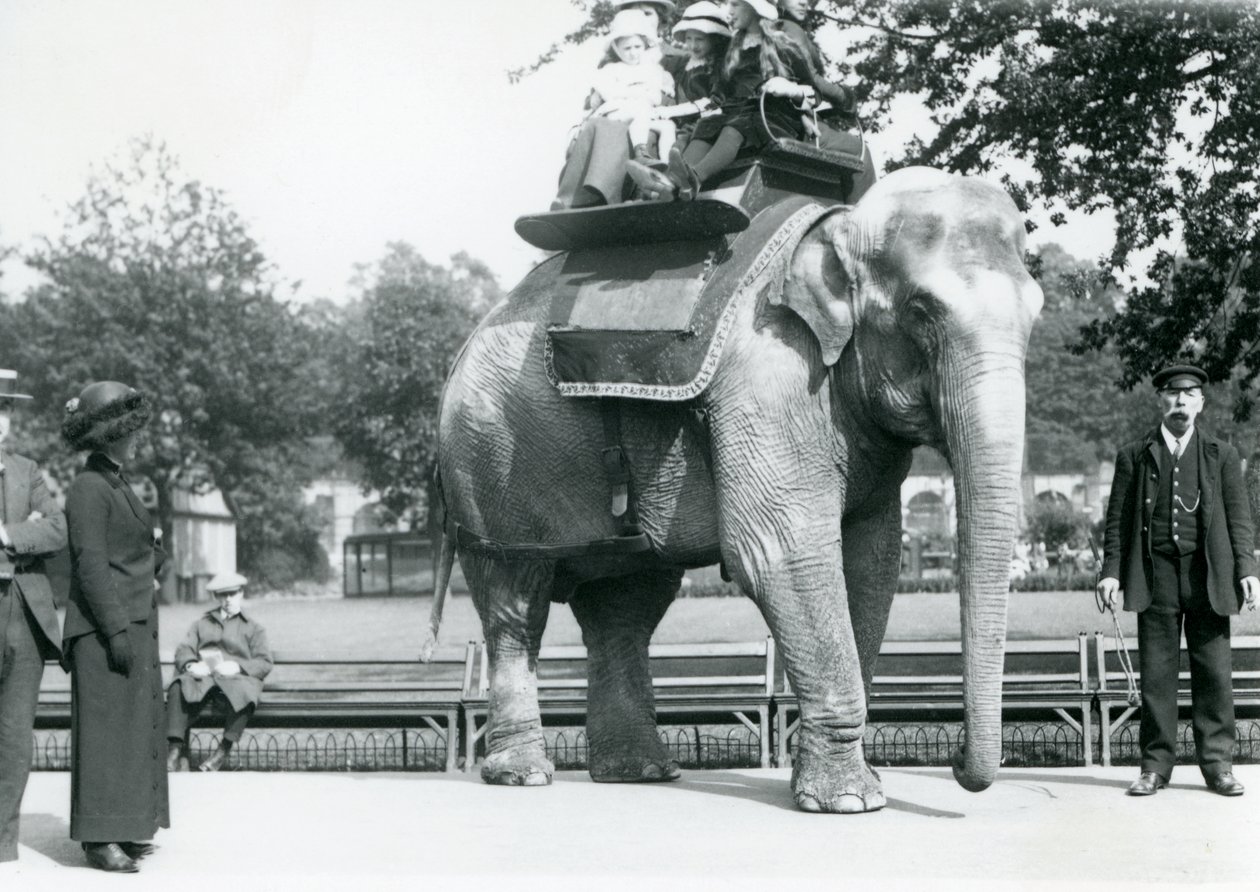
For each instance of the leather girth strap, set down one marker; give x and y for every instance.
(470, 543)
(617, 469)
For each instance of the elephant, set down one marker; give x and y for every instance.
(902, 321)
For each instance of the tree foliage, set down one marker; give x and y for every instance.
(1077, 414)
(1148, 108)
(156, 281)
(1055, 522)
(405, 331)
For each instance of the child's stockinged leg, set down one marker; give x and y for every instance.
(640, 130)
(644, 168)
(695, 150)
(718, 158)
(666, 134)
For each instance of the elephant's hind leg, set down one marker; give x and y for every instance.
(617, 618)
(513, 600)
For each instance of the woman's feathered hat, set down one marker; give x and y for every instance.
(104, 412)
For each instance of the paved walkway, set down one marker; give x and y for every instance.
(1046, 828)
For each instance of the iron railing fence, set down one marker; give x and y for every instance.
(297, 749)
(1125, 749)
(1024, 744)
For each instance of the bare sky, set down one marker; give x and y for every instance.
(334, 126)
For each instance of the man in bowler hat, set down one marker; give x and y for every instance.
(32, 526)
(1179, 545)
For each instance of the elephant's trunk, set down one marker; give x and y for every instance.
(982, 408)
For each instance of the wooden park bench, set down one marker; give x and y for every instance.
(922, 681)
(1113, 688)
(689, 682)
(305, 691)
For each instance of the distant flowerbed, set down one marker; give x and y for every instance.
(1045, 581)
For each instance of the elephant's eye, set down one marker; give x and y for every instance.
(919, 308)
(919, 318)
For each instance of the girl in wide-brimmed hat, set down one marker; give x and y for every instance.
(631, 88)
(705, 34)
(703, 30)
(658, 13)
(761, 59)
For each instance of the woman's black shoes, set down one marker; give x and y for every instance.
(137, 850)
(110, 857)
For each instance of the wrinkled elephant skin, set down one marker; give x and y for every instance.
(903, 321)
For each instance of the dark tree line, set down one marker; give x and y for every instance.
(156, 281)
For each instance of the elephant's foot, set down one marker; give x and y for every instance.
(840, 783)
(645, 764)
(522, 767)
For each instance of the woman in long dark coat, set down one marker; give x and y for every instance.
(118, 796)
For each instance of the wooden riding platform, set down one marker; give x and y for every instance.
(633, 223)
(643, 301)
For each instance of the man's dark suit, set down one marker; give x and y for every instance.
(1200, 588)
(28, 627)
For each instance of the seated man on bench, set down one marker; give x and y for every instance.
(223, 659)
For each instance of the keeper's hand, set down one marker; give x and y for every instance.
(1108, 590)
(1251, 589)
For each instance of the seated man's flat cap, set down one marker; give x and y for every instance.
(1179, 377)
(226, 582)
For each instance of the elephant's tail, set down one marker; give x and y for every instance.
(441, 581)
(442, 565)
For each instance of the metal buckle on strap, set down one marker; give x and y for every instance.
(618, 473)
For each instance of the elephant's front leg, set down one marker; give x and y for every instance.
(618, 617)
(798, 583)
(513, 600)
(872, 562)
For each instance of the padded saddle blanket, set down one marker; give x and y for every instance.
(649, 321)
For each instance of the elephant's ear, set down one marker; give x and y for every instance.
(819, 289)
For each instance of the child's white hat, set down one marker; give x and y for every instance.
(665, 7)
(705, 17)
(764, 8)
(631, 23)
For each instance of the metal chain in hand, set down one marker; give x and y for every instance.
(1122, 652)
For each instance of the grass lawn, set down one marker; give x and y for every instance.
(394, 627)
